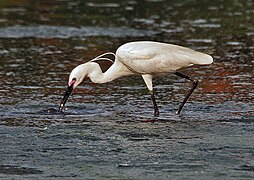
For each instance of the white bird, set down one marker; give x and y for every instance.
(144, 58)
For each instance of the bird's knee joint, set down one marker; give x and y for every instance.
(151, 92)
(195, 82)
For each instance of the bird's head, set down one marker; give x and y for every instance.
(76, 77)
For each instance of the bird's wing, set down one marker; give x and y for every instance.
(144, 58)
(148, 50)
(136, 51)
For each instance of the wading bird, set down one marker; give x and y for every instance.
(144, 58)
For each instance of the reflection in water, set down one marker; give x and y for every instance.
(108, 130)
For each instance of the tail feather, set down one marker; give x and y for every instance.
(202, 59)
(207, 59)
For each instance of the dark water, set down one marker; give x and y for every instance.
(108, 130)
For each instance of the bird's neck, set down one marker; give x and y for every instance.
(115, 71)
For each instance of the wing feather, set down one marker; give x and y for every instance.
(154, 57)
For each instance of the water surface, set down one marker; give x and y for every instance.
(108, 130)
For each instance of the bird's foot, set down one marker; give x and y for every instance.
(178, 112)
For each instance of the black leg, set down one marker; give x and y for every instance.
(156, 110)
(194, 85)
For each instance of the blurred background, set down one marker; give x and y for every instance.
(109, 131)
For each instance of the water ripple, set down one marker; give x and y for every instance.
(65, 32)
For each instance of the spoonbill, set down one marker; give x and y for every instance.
(144, 58)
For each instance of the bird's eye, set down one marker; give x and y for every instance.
(72, 82)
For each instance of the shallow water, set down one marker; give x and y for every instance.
(108, 131)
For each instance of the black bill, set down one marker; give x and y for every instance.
(66, 96)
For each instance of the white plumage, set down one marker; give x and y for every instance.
(145, 58)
